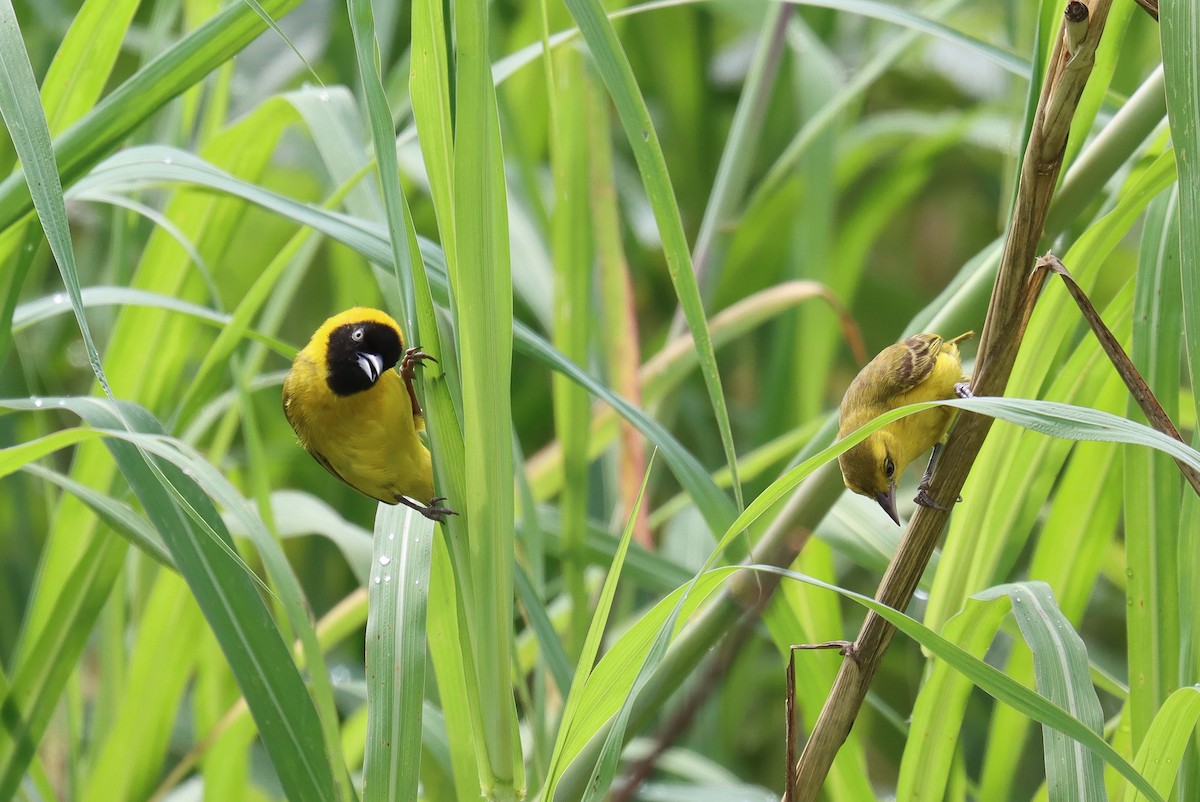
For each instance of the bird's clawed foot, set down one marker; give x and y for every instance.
(412, 358)
(963, 390)
(925, 500)
(434, 511)
(431, 510)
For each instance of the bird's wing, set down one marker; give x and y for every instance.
(920, 354)
(327, 465)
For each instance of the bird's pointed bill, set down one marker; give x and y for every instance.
(372, 365)
(888, 502)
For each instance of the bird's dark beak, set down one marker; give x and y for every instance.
(888, 502)
(371, 364)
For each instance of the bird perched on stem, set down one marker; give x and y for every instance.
(923, 367)
(357, 416)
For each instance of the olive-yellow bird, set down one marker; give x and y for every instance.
(923, 367)
(357, 416)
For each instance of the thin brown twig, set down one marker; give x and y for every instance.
(1138, 389)
(791, 726)
(1070, 65)
(1150, 7)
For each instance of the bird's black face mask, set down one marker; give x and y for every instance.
(358, 354)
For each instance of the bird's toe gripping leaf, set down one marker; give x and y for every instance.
(435, 512)
(412, 358)
(432, 510)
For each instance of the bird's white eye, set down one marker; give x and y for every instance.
(357, 335)
(889, 467)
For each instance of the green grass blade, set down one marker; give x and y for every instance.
(1180, 26)
(1168, 737)
(941, 706)
(123, 520)
(549, 646)
(483, 306)
(610, 683)
(571, 241)
(84, 61)
(257, 655)
(591, 648)
(1086, 508)
(1180, 32)
(1153, 487)
(398, 592)
(452, 665)
(161, 661)
(1061, 664)
(617, 73)
(127, 106)
(39, 310)
(429, 86)
(36, 684)
(21, 107)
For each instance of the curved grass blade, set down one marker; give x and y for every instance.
(42, 309)
(21, 107)
(121, 517)
(1060, 662)
(126, 107)
(615, 69)
(1159, 756)
(260, 660)
(591, 647)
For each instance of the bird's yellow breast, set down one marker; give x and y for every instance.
(368, 439)
(916, 434)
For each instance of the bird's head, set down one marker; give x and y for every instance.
(360, 344)
(871, 469)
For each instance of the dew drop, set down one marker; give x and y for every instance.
(392, 536)
(168, 160)
(37, 402)
(58, 298)
(384, 560)
(387, 577)
(323, 95)
(377, 580)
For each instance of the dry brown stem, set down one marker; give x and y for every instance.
(1069, 67)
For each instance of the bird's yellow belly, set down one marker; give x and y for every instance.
(369, 440)
(385, 467)
(918, 433)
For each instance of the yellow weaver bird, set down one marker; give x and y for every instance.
(357, 416)
(923, 367)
